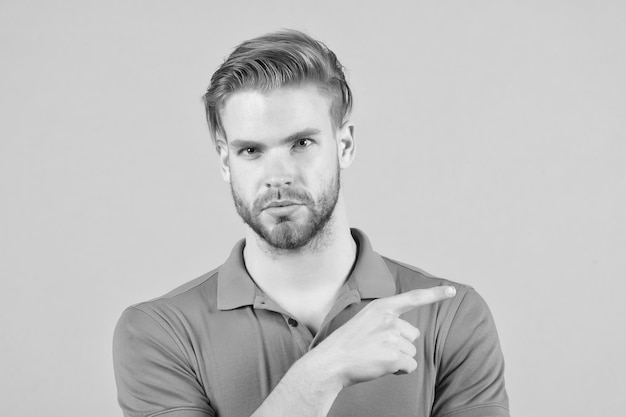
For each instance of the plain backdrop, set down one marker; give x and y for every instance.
(491, 151)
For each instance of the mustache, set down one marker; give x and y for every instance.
(290, 194)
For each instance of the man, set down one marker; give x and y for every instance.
(304, 318)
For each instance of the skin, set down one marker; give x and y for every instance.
(261, 156)
(282, 149)
(281, 164)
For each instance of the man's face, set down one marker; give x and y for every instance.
(282, 162)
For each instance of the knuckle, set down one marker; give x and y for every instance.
(397, 325)
(388, 319)
(392, 338)
(392, 356)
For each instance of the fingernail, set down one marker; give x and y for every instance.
(451, 291)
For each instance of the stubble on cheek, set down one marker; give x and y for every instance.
(289, 232)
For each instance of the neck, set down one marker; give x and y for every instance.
(320, 267)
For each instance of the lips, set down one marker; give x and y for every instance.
(283, 203)
(282, 209)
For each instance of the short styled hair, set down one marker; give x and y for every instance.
(274, 60)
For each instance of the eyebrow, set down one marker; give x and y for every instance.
(246, 143)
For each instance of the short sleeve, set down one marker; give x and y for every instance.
(470, 377)
(153, 375)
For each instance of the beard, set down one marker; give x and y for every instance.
(285, 232)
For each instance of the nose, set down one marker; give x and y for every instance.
(280, 172)
(278, 181)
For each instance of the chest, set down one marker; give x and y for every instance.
(239, 366)
(309, 312)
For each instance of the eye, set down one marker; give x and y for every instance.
(248, 151)
(303, 143)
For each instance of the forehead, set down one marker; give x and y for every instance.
(253, 114)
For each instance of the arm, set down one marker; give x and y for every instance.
(374, 343)
(152, 372)
(470, 374)
(306, 390)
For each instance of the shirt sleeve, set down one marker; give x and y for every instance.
(470, 377)
(153, 375)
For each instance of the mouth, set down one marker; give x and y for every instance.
(282, 208)
(282, 203)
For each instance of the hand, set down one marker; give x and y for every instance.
(376, 342)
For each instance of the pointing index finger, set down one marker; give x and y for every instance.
(407, 301)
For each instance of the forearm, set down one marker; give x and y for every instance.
(374, 343)
(306, 390)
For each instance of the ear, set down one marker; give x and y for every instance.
(222, 150)
(346, 146)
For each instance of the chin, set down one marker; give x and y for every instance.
(288, 235)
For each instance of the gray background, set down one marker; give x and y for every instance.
(491, 151)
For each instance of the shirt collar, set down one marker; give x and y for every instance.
(370, 276)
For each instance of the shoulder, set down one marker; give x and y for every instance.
(174, 311)
(467, 307)
(198, 293)
(153, 342)
(408, 277)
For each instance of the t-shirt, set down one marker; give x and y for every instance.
(217, 346)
